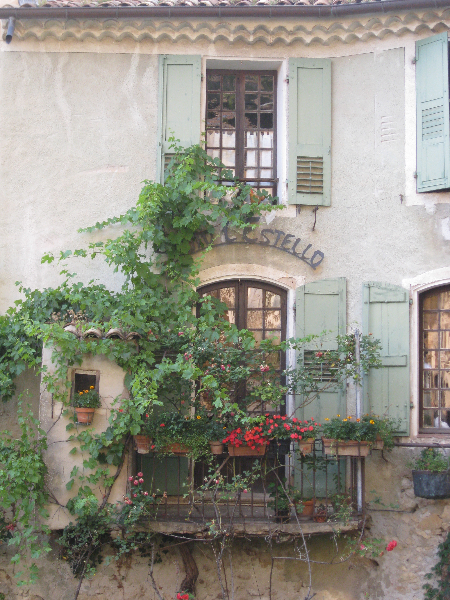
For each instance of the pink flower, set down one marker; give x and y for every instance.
(141, 480)
(135, 482)
(222, 367)
(130, 478)
(245, 491)
(162, 425)
(140, 474)
(134, 495)
(391, 545)
(180, 333)
(145, 493)
(120, 409)
(362, 547)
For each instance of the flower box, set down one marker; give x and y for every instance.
(176, 448)
(85, 416)
(246, 450)
(306, 446)
(345, 447)
(378, 444)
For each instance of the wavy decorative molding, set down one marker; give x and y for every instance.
(271, 34)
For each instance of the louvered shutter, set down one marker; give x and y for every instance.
(309, 131)
(386, 317)
(179, 101)
(321, 307)
(433, 148)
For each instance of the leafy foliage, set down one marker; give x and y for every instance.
(440, 571)
(22, 488)
(431, 459)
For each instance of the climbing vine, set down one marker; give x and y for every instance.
(182, 362)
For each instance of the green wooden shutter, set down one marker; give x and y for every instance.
(309, 131)
(321, 306)
(179, 101)
(386, 316)
(433, 147)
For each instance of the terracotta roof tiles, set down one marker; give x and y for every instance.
(185, 3)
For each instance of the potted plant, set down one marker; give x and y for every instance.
(320, 513)
(85, 403)
(175, 433)
(282, 430)
(385, 431)
(248, 438)
(215, 431)
(431, 474)
(349, 436)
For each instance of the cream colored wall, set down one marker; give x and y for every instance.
(55, 417)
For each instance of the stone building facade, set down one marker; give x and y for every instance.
(341, 109)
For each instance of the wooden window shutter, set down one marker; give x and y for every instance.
(179, 102)
(433, 148)
(321, 307)
(309, 131)
(386, 317)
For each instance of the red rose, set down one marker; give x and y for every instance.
(391, 545)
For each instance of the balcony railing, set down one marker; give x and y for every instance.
(249, 493)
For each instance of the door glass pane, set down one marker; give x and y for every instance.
(229, 83)
(251, 83)
(445, 320)
(444, 303)
(229, 139)
(430, 398)
(430, 320)
(254, 297)
(431, 340)
(430, 359)
(272, 300)
(445, 339)
(431, 379)
(228, 296)
(254, 319)
(272, 319)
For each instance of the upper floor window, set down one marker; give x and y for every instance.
(241, 124)
(435, 360)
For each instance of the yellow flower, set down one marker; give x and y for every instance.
(338, 415)
(327, 419)
(198, 417)
(345, 419)
(349, 418)
(358, 420)
(80, 393)
(372, 422)
(92, 387)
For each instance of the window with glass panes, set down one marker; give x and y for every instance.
(260, 308)
(241, 124)
(435, 360)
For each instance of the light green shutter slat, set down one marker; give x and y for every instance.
(179, 101)
(386, 317)
(321, 306)
(433, 147)
(309, 131)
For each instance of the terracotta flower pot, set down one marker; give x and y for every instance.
(142, 443)
(345, 448)
(216, 447)
(306, 446)
(85, 415)
(246, 450)
(307, 510)
(320, 516)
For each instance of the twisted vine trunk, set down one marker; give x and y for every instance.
(190, 568)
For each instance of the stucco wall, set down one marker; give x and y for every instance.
(79, 125)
